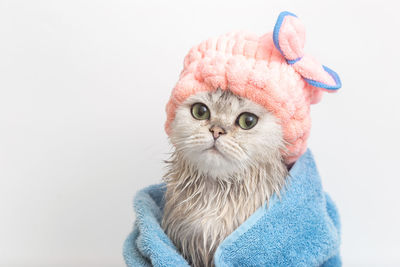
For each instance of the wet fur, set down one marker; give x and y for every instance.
(210, 193)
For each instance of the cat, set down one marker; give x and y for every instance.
(227, 161)
(238, 119)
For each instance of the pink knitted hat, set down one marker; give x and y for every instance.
(271, 70)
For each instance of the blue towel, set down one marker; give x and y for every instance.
(301, 228)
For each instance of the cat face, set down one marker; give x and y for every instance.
(221, 134)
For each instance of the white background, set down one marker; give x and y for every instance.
(83, 88)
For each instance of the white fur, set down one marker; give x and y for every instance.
(210, 192)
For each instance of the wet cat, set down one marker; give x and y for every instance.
(227, 161)
(238, 119)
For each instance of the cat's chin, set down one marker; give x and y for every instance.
(214, 157)
(214, 164)
(214, 151)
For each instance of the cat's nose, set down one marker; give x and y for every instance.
(217, 131)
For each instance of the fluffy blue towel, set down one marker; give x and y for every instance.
(300, 229)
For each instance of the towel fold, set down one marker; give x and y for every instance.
(301, 228)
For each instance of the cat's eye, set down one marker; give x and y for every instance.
(247, 120)
(200, 111)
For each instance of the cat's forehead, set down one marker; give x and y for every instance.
(225, 100)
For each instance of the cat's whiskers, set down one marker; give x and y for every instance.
(190, 140)
(210, 193)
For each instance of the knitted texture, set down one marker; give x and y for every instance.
(271, 70)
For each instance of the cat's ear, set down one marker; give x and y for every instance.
(289, 39)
